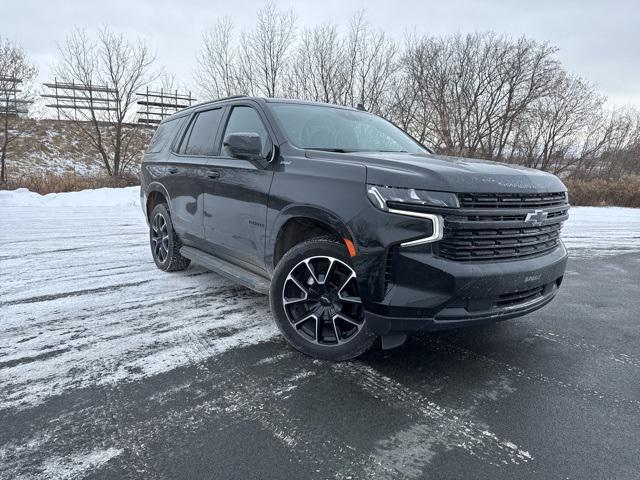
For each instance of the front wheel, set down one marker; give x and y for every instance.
(316, 303)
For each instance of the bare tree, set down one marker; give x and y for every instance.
(479, 95)
(255, 63)
(610, 146)
(217, 70)
(121, 66)
(372, 61)
(318, 69)
(553, 125)
(265, 51)
(356, 68)
(16, 73)
(477, 86)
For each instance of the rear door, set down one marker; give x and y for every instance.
(235, 206)
(187, 174)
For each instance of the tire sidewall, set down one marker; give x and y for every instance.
(316, 247)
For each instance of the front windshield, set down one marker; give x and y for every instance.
(318, 127)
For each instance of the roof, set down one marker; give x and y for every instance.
(260, 99)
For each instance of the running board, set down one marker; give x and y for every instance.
(233, 272)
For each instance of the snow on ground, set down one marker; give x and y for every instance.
(90, 270)
(602, 231)
(101, 197)
(82, 302)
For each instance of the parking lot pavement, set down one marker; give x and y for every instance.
(112, 369)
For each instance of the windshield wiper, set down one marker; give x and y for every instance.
(389, 151)
(337, 150)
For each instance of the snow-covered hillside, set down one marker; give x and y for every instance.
(54, 147)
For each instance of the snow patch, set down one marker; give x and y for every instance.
(101, 197)
(74, 466)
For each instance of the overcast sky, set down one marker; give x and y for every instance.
(599, 40)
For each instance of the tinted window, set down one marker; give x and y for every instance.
(247, 120)
(200, 139)
(164, 134)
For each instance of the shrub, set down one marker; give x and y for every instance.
(619, 193)
(67, 182)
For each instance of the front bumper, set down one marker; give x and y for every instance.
(426, 292)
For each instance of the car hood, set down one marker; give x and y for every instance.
(450, 174)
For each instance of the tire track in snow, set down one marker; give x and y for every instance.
(120, 327)
(409, 451)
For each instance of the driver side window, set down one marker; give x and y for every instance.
(245, 119)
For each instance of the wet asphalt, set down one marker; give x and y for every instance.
(555, 394)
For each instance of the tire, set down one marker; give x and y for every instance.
(315, 301)
(165, 244)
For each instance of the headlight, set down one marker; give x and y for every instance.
(380, 196)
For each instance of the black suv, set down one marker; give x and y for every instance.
(353, 228)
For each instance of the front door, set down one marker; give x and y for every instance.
(235, 203)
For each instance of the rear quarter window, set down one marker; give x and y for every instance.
(164, 134)
(200, 137)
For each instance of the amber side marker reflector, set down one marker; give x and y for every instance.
(350, 246)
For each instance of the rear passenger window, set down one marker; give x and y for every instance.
(200, 138)
(164, 134)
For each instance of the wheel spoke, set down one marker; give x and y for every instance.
(306, 319)
(347, 319)
(290, 301)
(346, 282)
(297, 284)
(311, 271)
(336, 331)
(349, 299)
(325, 277)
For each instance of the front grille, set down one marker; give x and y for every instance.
(478, 231)
(504, 243)
(511, 200)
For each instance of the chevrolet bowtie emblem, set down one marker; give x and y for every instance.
(536, 217)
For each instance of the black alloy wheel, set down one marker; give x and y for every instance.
(315, 301)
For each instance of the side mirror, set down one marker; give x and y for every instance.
(246, 146)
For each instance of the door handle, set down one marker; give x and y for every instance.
(173, 170)
(213, 175)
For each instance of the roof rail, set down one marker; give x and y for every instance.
(208, 102)
(229, 98)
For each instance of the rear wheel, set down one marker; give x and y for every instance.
(316, 303)
(165, 244)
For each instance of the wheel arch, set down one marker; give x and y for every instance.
(156, 193)
(299, 223)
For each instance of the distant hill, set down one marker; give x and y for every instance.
(52, 146)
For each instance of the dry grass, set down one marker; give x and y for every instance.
(619, 193)
(67, 182)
